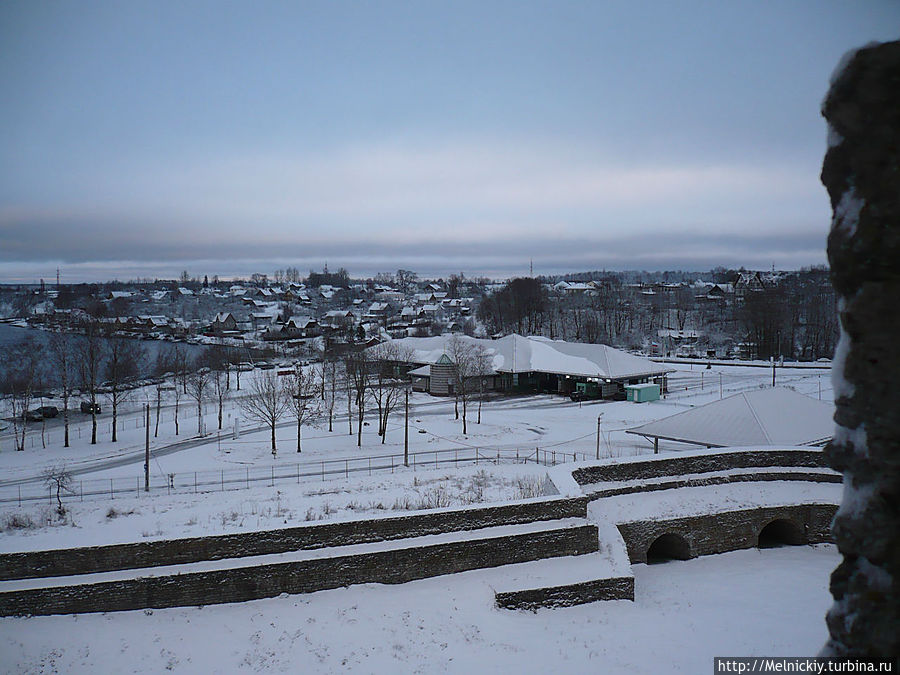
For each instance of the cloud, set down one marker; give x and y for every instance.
(481, 202)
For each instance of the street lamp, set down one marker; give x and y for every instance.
(599, 418)
(406, 432)
(147, 450)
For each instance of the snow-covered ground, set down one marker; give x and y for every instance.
(554, 425)
(754, 602)
(695, 501)
(550, 423)
(137, 518)
(742, 603)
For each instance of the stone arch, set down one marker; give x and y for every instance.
(669, 546)
(781, 532)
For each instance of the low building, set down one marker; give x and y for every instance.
(529, 364)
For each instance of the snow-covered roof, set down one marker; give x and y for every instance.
(300, 321)
(518, 354)
(773, 416)
(678, 334)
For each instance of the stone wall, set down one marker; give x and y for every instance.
(85, 560)
(717, 480)
(679, 466)
(728, 531)
(861, 171)
(614, 588)
(266, 581)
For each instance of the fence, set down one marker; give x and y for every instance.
(277, 474)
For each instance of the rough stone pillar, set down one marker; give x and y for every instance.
(862, 174)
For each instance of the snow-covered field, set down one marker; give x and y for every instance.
(754, 602)
(747, 602)
(135, 518)
(550, 423)
(554, 425)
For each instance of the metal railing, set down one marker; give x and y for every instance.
(185, 482)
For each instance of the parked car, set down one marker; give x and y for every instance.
(48, 411)
(33, 416)
(88, 407)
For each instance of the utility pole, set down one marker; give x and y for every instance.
(406, 433)
(599, 417)
(773, 371)
(147, 452)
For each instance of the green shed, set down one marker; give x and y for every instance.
(641, 393)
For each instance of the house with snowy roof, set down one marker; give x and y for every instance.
(222, 323)
(531, 364)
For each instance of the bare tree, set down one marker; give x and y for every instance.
(358, 364)
(482, 370)
(198, 389)
(179, 379)
(59, 477)
(386, 392)
(90, 365)
(165, 369)
(123, 358)
(182, 362)
(465, 371)
(216, 358)
(20, 380)
(349, 388)
(265, 402)
(301, 388)
(219, 390)
(62, 359)
(330, 366)
(406, 280)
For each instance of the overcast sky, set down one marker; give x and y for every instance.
(140, 138)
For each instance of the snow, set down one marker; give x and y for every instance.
(846, 213)
(151, 518)
(749, 418)
(834, 138)
(696, 501)
(754, 602)
(555, 426)
(842, 387)
(856, 438)
(751, 471)
(517, 354)
(292, 556)
(747, 602)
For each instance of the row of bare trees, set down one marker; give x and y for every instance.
(93, 362)
(102, 367)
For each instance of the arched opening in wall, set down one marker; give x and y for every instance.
(781, 532)
(668, 547)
